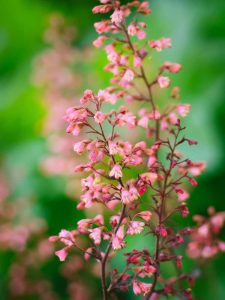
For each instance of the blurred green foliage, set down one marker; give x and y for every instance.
(198, 33)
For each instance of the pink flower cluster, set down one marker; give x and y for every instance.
(140, 184)
(54, 73)
(24, 239)
(205, 242)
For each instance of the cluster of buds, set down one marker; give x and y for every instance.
(205, 240)
(141, 184)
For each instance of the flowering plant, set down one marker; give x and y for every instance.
(205, 239)
(140, 184)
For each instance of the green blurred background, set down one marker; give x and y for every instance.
(198, 32)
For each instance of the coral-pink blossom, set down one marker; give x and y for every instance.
(62, 254)
(141, 287)
(163, 81)
(116, 172)
(117, 17)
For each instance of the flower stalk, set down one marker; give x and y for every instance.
(141, 183)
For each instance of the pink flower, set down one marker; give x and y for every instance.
(76, 117)
(124, 60)
(53, 238)
(145, 215)
(171, 67)
(102, 9)
(192, 181)
(144, 8)
(100, 117)
(162, 231)
(103, 95)
(149, 177)
(217, 222)
(114, 220)
(88, 94)
(203, 230)
(125, 196)
(197, 168)
(118, 239)
(160, 44)
(183, 109)
(221, 246)
(67, 237)
(141, 287)
(143, 122)
(88, 253)
(117, 17)
(79, 146)
(184, 210)
(178, 261)
(163, 82)
(95, 234)
(126, 118)
(172, 118)
(133, 193)
(98, 220)
(137, 61)
(87, 182)
(135, 227)
(155, 115)
(84, 224)
(182, 194)
(102, 26)
(141, 34)
(99, 41)
(113, 57)
(128, 75)
(113, 148)
(154, 296)
(191, 142)
(209, 251)
(132, 30)
(96, 155)
(83, 168)
(166, 43)
(151, 161)
(146, 270)
(116, 172)
(74, 129)
(62, 254)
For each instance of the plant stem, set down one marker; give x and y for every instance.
(104, 260)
